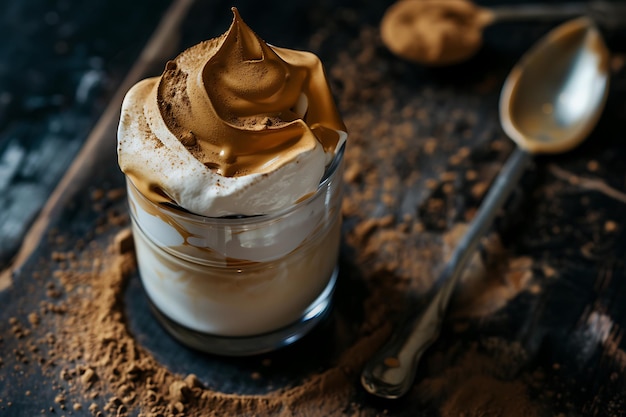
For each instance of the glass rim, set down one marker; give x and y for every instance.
(183, 214)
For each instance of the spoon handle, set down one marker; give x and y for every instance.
(538, 12)
(610, 13)
(390, 372)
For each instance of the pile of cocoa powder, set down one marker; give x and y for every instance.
(399, 228)
(99, 358)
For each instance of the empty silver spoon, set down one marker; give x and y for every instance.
(550, 102)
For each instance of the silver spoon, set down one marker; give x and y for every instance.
(550, 102)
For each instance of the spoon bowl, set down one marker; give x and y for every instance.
(553, 98)
(549, 103)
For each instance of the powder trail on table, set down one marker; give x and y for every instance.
(483, 381)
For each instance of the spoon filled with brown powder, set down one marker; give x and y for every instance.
(445, 32)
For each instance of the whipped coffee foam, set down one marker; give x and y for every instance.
(233, 126)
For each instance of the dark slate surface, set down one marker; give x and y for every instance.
(547, 326)
(60, 62)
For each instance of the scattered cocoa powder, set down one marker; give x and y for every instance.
(104, 360)
(481, 383)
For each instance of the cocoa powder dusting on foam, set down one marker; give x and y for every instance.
(247, 93)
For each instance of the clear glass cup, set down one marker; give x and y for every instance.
(240, 286)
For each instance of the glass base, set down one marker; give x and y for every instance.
(256, 344)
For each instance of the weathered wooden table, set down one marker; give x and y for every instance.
(535, 328)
